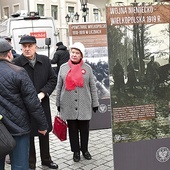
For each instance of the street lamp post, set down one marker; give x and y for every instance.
(67, 18)
(76, 17)
(84, 8)
(71, 18)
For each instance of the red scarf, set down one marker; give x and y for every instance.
(74, 76)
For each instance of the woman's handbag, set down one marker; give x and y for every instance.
(7, 142)
(60, 128)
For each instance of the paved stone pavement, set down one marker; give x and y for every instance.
(100, 147)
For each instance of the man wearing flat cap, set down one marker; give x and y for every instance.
(4, 46)
(14, 53)
(18, 103)
(44, 79)
(61, 56)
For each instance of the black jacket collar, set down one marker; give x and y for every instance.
(25, 61)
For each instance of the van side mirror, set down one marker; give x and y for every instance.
(48, 41)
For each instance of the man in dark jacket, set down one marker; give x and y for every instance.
(118, 75)
(44, 79)
(61, 56)
(18, 102)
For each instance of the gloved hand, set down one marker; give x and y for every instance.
(95, 109)
(58, 108)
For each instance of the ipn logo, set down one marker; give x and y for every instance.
(102, 108)
(163, 154)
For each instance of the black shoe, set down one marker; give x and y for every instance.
(87, 155)
(51, 165)
(76, 156)
(31, 167)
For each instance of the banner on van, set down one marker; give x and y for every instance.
(39, 34)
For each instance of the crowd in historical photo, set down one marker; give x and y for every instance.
(129, 78)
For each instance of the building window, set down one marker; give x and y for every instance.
(96, 15)
(6, 12)
(54, 11)
(71, 12)
(87, 14)
(40, 9)
(15, 8)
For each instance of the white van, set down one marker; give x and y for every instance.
(32, 24)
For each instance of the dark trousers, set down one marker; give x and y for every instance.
(44, 150)
(78, 128)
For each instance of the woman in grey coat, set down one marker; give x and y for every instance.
(76, 98)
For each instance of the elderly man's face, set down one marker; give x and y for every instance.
(29, 50)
